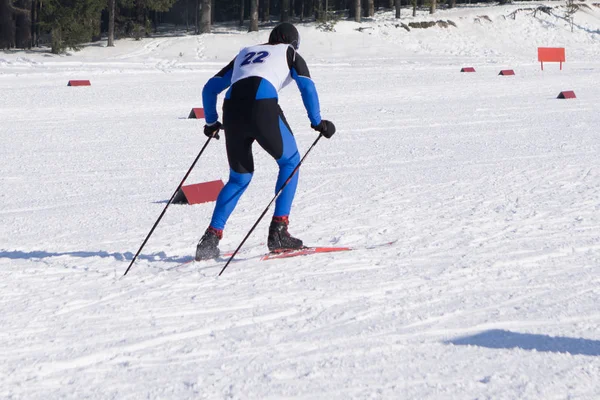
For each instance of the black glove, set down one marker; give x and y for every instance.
(325, 128)
(213, 130)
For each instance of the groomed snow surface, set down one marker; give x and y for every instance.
(488, 184)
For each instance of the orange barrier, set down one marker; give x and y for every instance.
(79, 83)
(567, 94)
(198, 193)
(197, 113)
(551, 54)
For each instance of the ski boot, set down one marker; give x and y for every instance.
(279, 238)
(208, 246)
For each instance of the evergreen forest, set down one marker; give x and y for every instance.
(67, 24)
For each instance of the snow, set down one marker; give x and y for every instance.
(489, 185)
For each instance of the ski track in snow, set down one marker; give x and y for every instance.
(490, 186)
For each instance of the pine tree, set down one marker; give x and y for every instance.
(7, 26)
(138, 13)
(71, 22)
(15, 24)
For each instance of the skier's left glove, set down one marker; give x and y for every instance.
(325, 128)
(212, 130)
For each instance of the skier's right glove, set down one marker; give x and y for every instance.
(212, 130)
(325, 128)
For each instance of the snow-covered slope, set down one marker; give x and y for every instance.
(489, 186)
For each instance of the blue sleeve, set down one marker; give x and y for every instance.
(213, 87)
(310, 98)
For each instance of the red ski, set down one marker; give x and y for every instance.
(283, 254)
(303, 252)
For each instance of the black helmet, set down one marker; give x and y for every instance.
(285, 33)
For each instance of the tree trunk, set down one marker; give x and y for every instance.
(141, 12)
(414, 4)
(213, 11)
(155, 21)
(398, 8)
(34, 18)
(206, 16)
(357, 10)
(187, 16)
(111, 23)
(20, 24)
(266, 10)
(285, 10)
(253, 16)
(452, 4)
(197, 19)
(56, 46)
(7, 29)
(371, 8)
(319, 10)
(433, 7)
(242, 4)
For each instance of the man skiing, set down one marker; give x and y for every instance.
(251, 113)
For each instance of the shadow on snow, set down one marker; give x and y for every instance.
(127, 256)
(501, 339)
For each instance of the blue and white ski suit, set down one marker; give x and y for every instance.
(251, 113)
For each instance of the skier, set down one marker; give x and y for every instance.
(251, 113)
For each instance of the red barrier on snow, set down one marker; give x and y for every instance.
(567, 94)
(507, 72)
(551, 54)
(199, 193)
(197, 113)
(467, 69)
(79, 83)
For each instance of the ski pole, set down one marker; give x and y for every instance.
(269, 205)
(168, 203)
